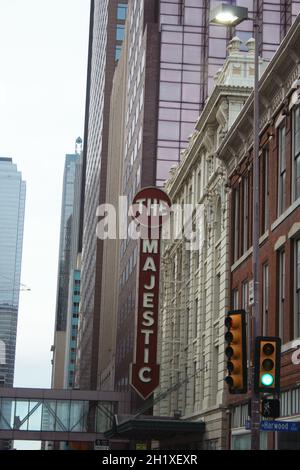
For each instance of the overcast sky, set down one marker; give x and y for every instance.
(43, 57)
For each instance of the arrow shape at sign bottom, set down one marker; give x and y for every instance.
(144, 379)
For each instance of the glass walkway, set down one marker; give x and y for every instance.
(58, 415)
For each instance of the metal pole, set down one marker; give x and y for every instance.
(255, 412)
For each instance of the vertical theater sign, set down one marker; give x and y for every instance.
(151, 212)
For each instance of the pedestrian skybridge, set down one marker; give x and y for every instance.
(58, 415)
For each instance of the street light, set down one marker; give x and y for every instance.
(230, 15)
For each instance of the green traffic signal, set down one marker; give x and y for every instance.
(267, 380)
(267, 364)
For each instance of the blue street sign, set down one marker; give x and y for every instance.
(280, 426)
(248, 424)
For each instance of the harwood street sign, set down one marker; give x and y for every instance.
(151, 210)
(277, 426)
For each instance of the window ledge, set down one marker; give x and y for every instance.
(249, 252)
(285, 214)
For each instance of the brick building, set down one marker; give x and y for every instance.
(279, 253)
(194, 294)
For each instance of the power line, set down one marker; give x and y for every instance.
(25, 288)
(164, 394)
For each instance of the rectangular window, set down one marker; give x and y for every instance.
(296, 152)
(198, 185)
(121, 11)
(265, 224)
(187, 327)
(236, 232)
(297, 291)
(235, 299)
(245, 222)
(217, 295)
(194, 382)
(265, 299)
(281, 292)
(118, 52)
(196, 313)
(281, 170)
(245, 295)
(120, 32)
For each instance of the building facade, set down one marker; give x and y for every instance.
(111, 247)
(173, 55)
(12, 211)
(107, 25)
(64, 268)
(279, 276)
(194, 295)
(72, 328)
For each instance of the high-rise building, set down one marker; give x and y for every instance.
(75, 276)
(107, 26)
(12, 208)
(64, 269)
(111, 247)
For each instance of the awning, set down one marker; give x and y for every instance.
(154, 427)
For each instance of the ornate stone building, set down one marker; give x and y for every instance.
(194, 294)
(279, 243)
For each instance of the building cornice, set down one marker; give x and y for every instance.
(274, 86)
(206, 119)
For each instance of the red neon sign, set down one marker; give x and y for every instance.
(154, 204)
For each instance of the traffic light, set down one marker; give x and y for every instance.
(270, 408)
(236, 351)
(267, 364)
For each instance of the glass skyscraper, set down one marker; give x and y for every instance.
(64, 270)
(12, 208)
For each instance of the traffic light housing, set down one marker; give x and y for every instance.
(267, 364)
(236, 351)
(270, 408)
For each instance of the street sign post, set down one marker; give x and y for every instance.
(276, 426)
(101, 444)
(280, 426)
